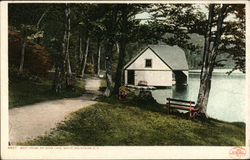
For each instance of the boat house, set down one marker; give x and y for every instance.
(157, 65)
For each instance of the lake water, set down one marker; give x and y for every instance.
(226, 100)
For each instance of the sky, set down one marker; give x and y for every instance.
(146, 16)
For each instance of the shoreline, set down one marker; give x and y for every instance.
(217, 71)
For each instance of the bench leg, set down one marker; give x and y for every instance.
(190, 114)
(168, 109)
(193, 114)
(171, 110)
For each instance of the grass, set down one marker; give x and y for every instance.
(111, 122)
(29, 92)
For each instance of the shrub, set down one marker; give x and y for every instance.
(15, 75)
(144, 96)
(37, 60)
(89, 68)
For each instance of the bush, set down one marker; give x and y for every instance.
(142, 97)
(15, 75)
(37, 60)
(89, 68)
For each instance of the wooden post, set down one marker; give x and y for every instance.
(190, 111)
(169, 106)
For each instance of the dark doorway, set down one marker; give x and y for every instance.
(180, 78)
(131, 77)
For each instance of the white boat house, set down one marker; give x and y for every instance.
(157, 65)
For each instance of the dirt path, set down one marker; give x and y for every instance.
(37, 119)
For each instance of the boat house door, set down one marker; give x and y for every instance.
(131, 77)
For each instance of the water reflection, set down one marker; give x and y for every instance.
(180, 91)
(227, 97)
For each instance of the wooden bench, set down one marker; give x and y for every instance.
(182, 105)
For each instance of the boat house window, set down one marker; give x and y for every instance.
(148, 63)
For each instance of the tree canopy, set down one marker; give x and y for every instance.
(108, 35)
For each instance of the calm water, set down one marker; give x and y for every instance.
(226, 100)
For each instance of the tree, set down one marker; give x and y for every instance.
(126, 25)
(66, 40)
(233, 40)
(110, 23)
(86, 21)
(62, 60)
(220, 37)
(99, 34)
(29, 34)
(29, 28)
(215, 44)
(84, 59)
(37, 60)
(99, 46)
(176, 23)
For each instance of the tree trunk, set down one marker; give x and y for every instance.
(67, 40)
(84, 60)
(119, 70)
(122, 50)
(204, 90)
(108, 59)
(112, 28)
(80, 57)
(22, 56)
(57, 84)
(99, 58)
(93, 59)
(39, 22)
(209, 57)
(69, 67)
(63, 58)
(41, 18)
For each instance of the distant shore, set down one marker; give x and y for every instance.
(215, 71)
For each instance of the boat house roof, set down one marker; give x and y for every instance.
(172, 56)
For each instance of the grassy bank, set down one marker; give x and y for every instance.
(129, 123)
(29, 92)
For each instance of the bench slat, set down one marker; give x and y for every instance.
(181, 105)
(178, 100)
(184, 108)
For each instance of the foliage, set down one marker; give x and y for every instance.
(37, 59)
(177, 22)
(89, 68)
(32, 91)
(15, 75)
(120, 34)
(143, 96)
(173, 24)
(115, 123)
(125, 89)
(234, 38)
(182, 21)
(219, 38)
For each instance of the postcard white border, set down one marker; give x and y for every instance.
(108, 152)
